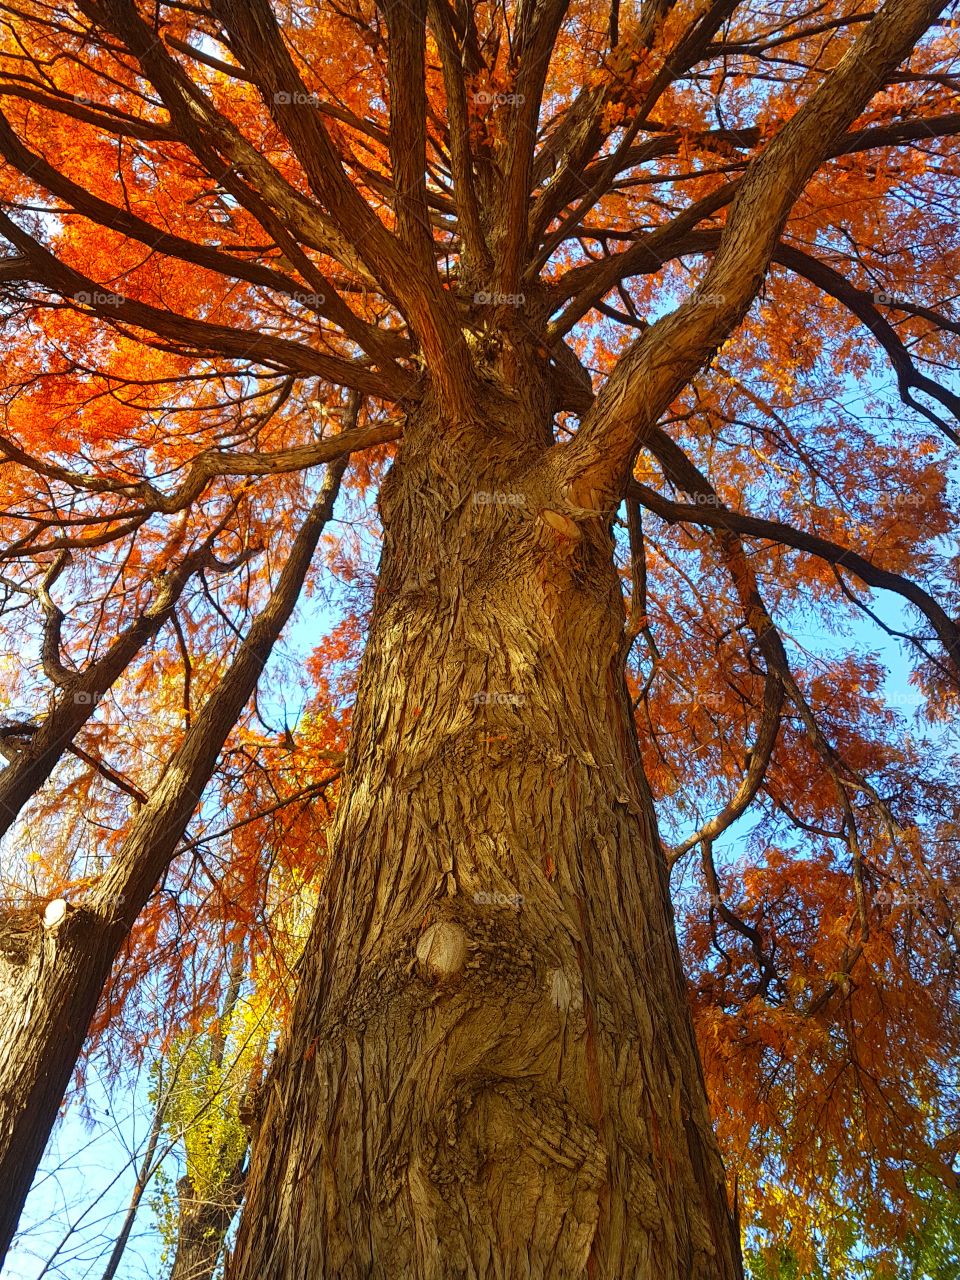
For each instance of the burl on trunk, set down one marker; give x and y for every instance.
(490, 1069)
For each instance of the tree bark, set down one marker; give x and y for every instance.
(490, 1069)
(202, 1226)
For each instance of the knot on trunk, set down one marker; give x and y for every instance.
(442, 951)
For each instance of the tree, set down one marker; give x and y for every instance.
(568, 262)
(216, 1074)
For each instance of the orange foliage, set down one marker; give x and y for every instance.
(824, 1022)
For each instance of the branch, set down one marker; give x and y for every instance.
(767, 971)
(536, 37)
(477, 260)
(81, 690)
(679, 468)
(93, 936)
(760, 756)
(368, 337)
(189, 334)
(659, 364)
(688, 51)
(336, 759)
(579, 135)
(101, 115)
(161, 823)
(861, 303)
(431, 312)
(406, 78)
(587, 284)
(53, 666)
(211, 136)
(111, 775)
(210, 464)
(719, 517)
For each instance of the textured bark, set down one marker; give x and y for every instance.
(202, 1226)
(49, 990)
(490, 1070)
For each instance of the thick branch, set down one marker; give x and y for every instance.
(80, 691)
(431, 312)
(535, 41)
(406, 73)
(208, 465)
(477, 261)
(587, 284)
(328, 303)
(187, 333)
(760, 755)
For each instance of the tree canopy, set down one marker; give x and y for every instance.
(242, 241)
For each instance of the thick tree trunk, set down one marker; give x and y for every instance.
(491, 1069)
(49, 988)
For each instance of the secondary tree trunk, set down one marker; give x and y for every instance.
(202, 1226)
(50, 982)
(491, 1069)
(52, 975)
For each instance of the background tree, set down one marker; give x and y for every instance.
(217, 1074)
(607, 275)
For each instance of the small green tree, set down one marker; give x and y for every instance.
(216, 1071)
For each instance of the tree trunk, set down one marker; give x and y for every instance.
(490, 1069)
(202, 1226)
